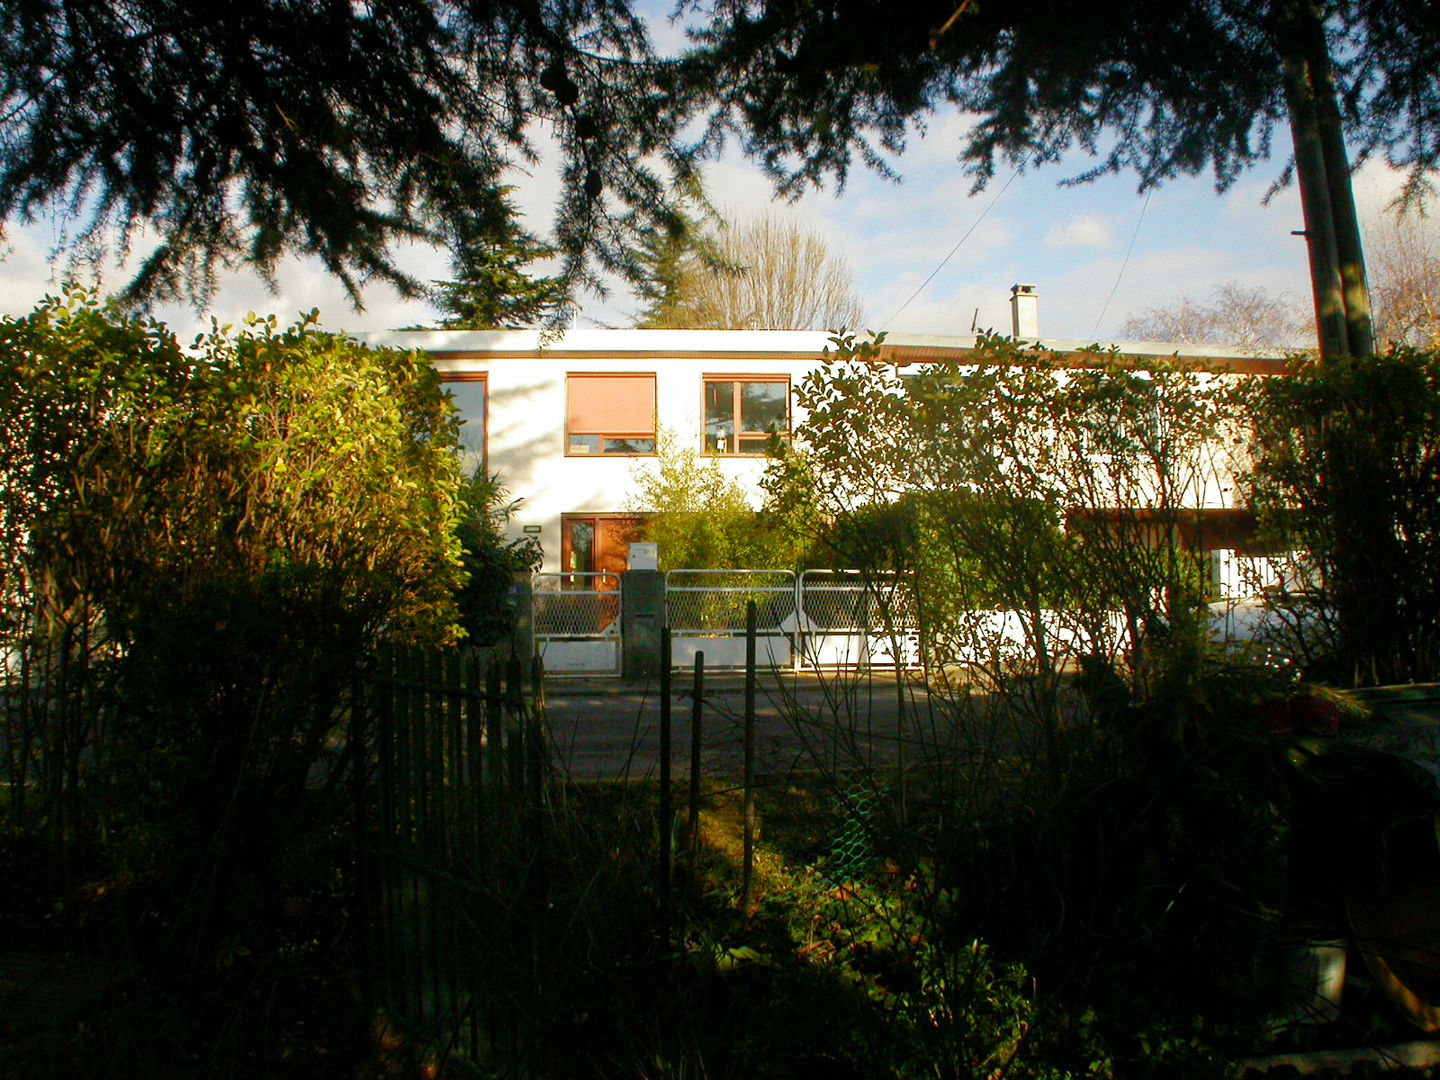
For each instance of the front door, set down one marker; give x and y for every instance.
(597, 544)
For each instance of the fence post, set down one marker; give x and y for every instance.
(522, 600)
(696, 713)
(364, 876)
(665, 739)
(384, 698)
(537, 739)
(748, 866)
(642, 615)
(515, 726)
(415, 826)
(797, 649)
(494, 726)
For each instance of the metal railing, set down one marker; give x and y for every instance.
(447, 845)
(839, 601)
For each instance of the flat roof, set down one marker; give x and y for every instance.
(778, 344)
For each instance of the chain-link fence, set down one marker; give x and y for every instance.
(850, 619)
(842, 601)
(575, 605)
(820, 618)
(713, 601)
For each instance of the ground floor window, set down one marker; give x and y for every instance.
(741, 413)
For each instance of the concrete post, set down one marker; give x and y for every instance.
(522, 638)
(642, 617)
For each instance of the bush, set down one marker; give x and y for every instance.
(202, 545)
(1347, 470)
(701, 519)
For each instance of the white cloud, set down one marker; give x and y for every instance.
(1378, 189)
(1088, 231)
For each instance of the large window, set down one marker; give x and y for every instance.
(610, 414)
(468, 394)
(742, 413)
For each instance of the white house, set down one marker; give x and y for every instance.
(566, 421)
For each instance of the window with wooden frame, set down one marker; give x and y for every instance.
(468, 394)
(742, 412)
(610, 414)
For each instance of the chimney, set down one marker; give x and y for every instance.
(1025, 312)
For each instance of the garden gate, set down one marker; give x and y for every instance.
(576, 619)
(705, 610)
(819, 618)
(849, 619)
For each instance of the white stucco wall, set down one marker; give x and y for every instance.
(526, 397)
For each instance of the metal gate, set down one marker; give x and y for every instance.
(850, 619)
(705, 610)
(448, 842)
(576, 618)
(820, 618)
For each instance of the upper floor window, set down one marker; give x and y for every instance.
(742, 413)
(467, 392)
(610, 414)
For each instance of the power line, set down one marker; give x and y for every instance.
(974, 225)
(1114, 288)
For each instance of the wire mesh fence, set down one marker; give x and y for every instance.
(576, 605)
(846, 600)
(713, 601)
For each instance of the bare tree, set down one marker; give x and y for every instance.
(1237, 316)
(1402, 252)
(767, 273)
(1402, 257)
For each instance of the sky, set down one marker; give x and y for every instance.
(1097, 252)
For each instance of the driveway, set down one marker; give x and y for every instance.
(606, 728)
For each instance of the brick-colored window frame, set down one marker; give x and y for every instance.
(740, 413)
(609, 415)
(464, 390)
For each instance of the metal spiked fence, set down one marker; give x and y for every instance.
(458, 770)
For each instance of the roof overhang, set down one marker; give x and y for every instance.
(797, 345)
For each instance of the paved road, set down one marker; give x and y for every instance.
(607, 728)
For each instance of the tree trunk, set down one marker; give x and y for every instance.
(1322, 167)
(1360, 332)
(1325, 280)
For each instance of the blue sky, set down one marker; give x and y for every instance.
(1073, 243)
